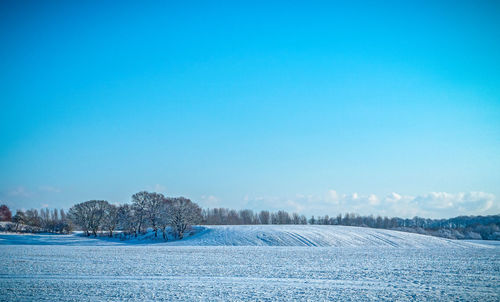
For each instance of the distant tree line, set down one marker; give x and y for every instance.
(169, 215)
(223, 216)
(39, 221)
(461, 227)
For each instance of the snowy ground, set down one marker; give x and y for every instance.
(358, 264)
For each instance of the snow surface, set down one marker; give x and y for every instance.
(239, 273)
(256, 263)
(260, 235)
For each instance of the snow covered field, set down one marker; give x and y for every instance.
(250, 263)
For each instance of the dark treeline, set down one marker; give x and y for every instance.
(461, 227)
(223, 216)
(45, 220)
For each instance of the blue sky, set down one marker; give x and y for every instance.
(322, 107)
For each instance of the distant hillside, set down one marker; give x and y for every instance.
(462, 227)
(312, 235)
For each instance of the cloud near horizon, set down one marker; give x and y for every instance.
(432, 205)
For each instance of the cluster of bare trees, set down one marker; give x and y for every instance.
(221, 216)
(92, 215)
(147, 210)
(45, 220)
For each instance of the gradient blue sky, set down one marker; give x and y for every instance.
(321, 107)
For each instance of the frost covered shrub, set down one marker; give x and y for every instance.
(6, 227)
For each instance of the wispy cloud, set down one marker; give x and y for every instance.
(49, 189)
(209, 201)
(156, 188)
(20, 192)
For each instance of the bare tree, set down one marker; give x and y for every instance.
(110, 221)
(89, 215)
(246, 216)
(164, 218)
(19, 219)
(154, 204)
(62, 214)
(182, 214)
(139, 204)
(233, 217)
(33, 219)
(127, 219)
(45, 218)
(264, 217)
(79, 214)
(274, 218)
(283, 217)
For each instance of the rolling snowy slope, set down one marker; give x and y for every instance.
(312, 235)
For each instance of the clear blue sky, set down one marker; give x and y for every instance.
(307, 106)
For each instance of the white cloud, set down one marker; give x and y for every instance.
(373, 200)
(332, 197)
(209, 201)
(462, 203)
(393, 197)
(156, 188)
(432, 205)
(20, 192)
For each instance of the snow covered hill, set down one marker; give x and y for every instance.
(260, 235)
(312, 235)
